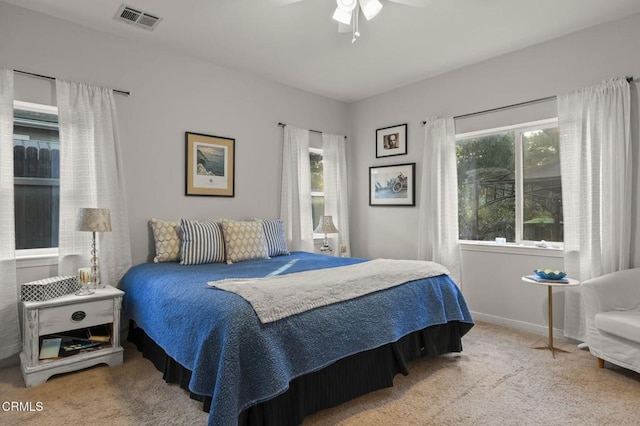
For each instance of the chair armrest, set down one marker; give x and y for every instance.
(617, 291)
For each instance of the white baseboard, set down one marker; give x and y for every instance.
(542, 330)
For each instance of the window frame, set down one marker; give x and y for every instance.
(518, 129)
(27, 258)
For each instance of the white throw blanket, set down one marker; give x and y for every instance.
(280, 296)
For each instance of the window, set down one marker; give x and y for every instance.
(317, 185)
(509, 184)
(36, 171)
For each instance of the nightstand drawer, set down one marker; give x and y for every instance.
(70, 317)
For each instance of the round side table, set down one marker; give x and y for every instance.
(550, 284)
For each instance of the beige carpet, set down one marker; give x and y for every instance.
(497, 380)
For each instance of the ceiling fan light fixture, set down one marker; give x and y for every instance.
(370, 8)
(342, 16)
(347, 5)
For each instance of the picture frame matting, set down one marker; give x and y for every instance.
(391, 141)
(392, 185)
(209, 165)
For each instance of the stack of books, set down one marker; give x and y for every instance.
(73, 342)
(534, 277)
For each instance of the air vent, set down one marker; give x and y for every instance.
(137, 17)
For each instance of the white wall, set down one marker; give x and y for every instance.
(495, 292)
(490, 280)
(171, 94)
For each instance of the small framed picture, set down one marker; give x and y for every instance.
(210, 167)
(393, 185)
(391, 141)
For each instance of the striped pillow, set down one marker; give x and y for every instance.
(202, 242)
(274, 233)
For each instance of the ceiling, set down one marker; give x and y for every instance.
(298, 44)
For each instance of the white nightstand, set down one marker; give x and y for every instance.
(63, 314)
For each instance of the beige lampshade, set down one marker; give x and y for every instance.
(326, 226)
(93, 220)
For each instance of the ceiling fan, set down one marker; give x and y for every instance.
(347, 12)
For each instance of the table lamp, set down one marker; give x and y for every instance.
(326, 226)
(94, 220)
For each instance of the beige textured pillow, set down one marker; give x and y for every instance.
(244, 240)
(167, 239)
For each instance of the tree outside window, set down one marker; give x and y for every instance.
(509, 185)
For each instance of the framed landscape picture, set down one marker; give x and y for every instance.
(393, 185)
(210, 165)
(391, 141)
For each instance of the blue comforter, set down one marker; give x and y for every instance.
(241, 362)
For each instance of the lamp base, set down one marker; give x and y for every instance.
(325, 247)
(95, 269)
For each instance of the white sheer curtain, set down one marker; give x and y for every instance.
(9, 328)
(295, 196)
(91, 175)
(336, 198)
(595, 154)
(438, 215)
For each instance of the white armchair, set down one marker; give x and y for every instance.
(612, 311)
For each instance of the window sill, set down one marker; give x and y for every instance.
(36, 258)
(512, 248)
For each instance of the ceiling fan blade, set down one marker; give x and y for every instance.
(414, 3)
(344, 28)
(284, 2)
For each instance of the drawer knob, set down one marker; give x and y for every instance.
(78, 316)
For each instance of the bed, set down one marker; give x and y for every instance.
(212, 342)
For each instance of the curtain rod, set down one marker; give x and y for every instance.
(487, 111)
(46, 77)
(314, 131)
(311, 130)
(534, 101)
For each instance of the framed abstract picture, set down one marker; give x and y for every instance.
(391, 141)
(393, 185)
(210, 165)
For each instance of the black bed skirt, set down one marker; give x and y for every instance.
(335, 384)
